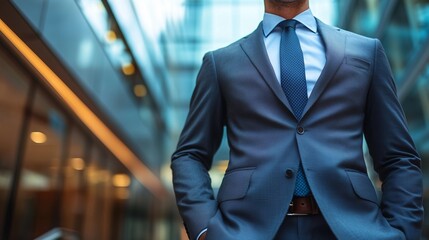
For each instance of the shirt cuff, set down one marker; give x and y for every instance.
(201, 233)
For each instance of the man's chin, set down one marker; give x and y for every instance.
(284, 1)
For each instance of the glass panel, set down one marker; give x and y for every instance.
(419, 19)
(366, 16)
(398, 41)
(120, 188)
(97, 177)
(139, 219)
(107, 198)
(36, 210)
(14, 86)
(74, 191)
(32, 10)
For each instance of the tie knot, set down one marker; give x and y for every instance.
(288, 23)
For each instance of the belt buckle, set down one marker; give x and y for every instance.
(295, 214)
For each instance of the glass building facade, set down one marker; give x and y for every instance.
(81, 133)
(131, 64)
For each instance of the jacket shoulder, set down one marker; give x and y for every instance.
(346, 33)
(356, 36)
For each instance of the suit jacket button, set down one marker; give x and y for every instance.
(289, 173)
(300, 130)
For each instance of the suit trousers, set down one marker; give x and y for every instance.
(304, 228)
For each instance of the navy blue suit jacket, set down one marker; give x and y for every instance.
(355, 97)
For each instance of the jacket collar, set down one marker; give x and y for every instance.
(306, 19)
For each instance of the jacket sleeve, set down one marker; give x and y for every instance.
(393, 152)
(199, 140)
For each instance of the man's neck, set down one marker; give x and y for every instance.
(286, 10)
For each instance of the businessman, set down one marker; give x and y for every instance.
(297, 98)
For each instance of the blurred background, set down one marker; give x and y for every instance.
(94, 93)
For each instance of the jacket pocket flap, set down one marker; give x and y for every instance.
(362, 186)
(235, 184)
(357, 62)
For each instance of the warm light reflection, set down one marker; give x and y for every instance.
(77, 164)
(128, 69)
(121, 180)
(38, 137)
(121, 151)
(140, 90)
(96, 176)
(122, 193)
(111, 36)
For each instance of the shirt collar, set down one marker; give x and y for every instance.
(306, 18)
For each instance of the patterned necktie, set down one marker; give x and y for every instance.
(294, 85)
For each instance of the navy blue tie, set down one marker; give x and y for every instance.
(294, 85)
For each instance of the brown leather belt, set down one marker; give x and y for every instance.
(301, 206)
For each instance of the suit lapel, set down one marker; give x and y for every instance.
(254, 48)
(334, 43)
